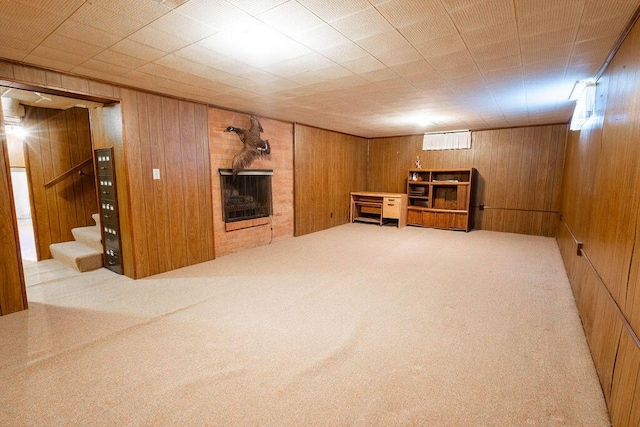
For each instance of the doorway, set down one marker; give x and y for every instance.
(50, 154)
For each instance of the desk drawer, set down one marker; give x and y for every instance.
(391, 207)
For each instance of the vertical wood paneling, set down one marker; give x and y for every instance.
(389, 161)
(13, 295)
(599, 203)
(175, 182)
(519, 174)
(190, 165)
(57, 141)
(203, 183)
(106, 132)
(159, 196)
(328, 166)
(171, 218)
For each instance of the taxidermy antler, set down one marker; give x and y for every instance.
(252, 145)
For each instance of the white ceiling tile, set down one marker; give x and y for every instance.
(301, 64)
(596, 10)
(321, 38)
(500, 63)
(402, 55)
(528, 7)
(434, 28)
(158, 40)
(65, 44)
(184, 27)
(363, 65)
(144, 11)
(200, 54)
(137, 50)
(116, 58)
(401, 13)
(61, 8)
(64, 60)
(255, 7)
(106, 20)
(383, 42)
(381, 75)
(290, 18)
(330, 10)
(547, 21)
(484, 14)
(345, 52)
(105, 67)
(495, 50)
(490, 35)
(362, 24)
(85, 33)
(442, 46)
(215, 13)
(606, 27)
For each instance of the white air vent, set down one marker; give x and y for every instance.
(447, 141)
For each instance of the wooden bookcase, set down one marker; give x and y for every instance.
(440, 198)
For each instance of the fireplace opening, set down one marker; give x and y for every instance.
(248, 196)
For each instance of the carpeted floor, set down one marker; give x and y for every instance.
(356, 325)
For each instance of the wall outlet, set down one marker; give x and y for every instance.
(156, 174)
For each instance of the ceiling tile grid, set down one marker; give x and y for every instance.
(368, 67)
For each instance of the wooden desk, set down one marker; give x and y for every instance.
(374, 207)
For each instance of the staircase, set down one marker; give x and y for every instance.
(83, 254)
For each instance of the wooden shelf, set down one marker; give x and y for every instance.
(446, 201)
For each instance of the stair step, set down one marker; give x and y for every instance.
(77, 255)
(96, 219)
(89, 236)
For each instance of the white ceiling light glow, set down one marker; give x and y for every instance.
(585, 104)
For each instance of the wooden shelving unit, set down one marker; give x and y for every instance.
(440, 198)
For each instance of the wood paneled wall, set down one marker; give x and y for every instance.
(519, 174)
(56, 141)
(171, 218)
(106, 132)
(601, 208)
(153, 126)
(328, 166)
(13, 295)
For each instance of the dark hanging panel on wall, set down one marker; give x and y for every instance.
(109, 217)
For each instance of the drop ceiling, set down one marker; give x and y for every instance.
(365, 67)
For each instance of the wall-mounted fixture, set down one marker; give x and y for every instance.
(584, 93)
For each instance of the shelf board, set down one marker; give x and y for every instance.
(419, 197)
(422, 208)
(449, 183)
(418, 182)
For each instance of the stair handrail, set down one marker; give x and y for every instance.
(68, 173)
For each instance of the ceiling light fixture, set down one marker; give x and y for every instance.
(585, 106)
(579, 87)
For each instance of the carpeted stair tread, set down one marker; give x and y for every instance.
(77, 255)
(96, 219)
(89, 236)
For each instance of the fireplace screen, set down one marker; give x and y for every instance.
(248, 196)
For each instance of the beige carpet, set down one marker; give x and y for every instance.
(357, 325)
